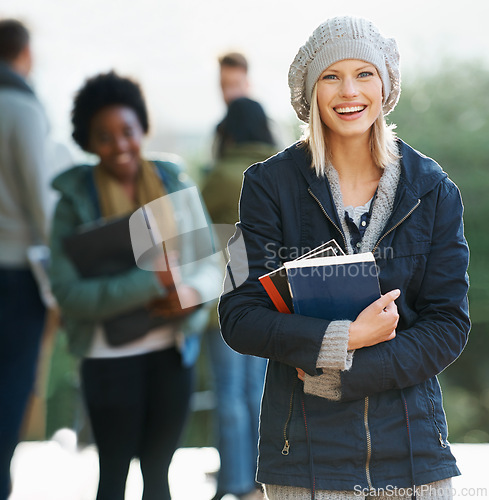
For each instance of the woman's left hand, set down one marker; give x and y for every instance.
(301, 374)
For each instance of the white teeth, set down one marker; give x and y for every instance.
(123, 158)
(350, 110)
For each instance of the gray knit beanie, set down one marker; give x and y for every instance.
(337, 39)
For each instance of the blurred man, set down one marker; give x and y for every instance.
(233, 76)
(242, 138)
(23, 222)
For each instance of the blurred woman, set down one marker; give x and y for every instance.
(137, 393)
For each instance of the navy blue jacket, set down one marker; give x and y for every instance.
(389, 429)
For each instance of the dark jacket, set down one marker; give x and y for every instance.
(364, 440)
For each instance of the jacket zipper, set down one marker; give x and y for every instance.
(329, 218)
(394, 227)
(365, 416)
(286, 448)
(367, 430)
(369, 445)
(440, 437)
(382, 237)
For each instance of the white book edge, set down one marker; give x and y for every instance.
(328, 245)
(331, 261)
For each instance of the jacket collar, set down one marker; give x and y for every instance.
(419, 173)
(11, 79)
(419, 176)
(78, 184)
(319, 187)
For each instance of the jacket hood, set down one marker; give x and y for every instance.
(419, 173)
(73, 182)
(69, 181)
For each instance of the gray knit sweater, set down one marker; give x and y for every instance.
(24, 171)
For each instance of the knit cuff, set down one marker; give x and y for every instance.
(327, 385)
(334, 353)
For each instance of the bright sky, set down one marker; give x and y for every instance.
(171, 47)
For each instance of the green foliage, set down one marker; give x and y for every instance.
(445, 115)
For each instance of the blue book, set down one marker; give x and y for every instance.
(333, 288)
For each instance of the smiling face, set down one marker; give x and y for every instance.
(349, 95)
(115, 137)
(234, 83)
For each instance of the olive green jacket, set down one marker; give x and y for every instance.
(222, 187)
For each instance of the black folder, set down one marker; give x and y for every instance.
(104, 248)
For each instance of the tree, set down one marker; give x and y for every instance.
(445, 114)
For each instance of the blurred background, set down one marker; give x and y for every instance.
(171, 48)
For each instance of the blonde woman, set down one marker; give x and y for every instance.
(353, 408)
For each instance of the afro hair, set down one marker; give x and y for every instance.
(106, 89)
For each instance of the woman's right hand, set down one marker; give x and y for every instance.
(376, 323)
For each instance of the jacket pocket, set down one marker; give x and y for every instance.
(436, 424)
(411, 249)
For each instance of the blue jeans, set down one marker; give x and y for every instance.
(239, 385)
(21, 324)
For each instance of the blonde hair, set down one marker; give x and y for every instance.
(382, 140)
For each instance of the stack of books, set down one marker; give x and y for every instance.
(324, 283)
